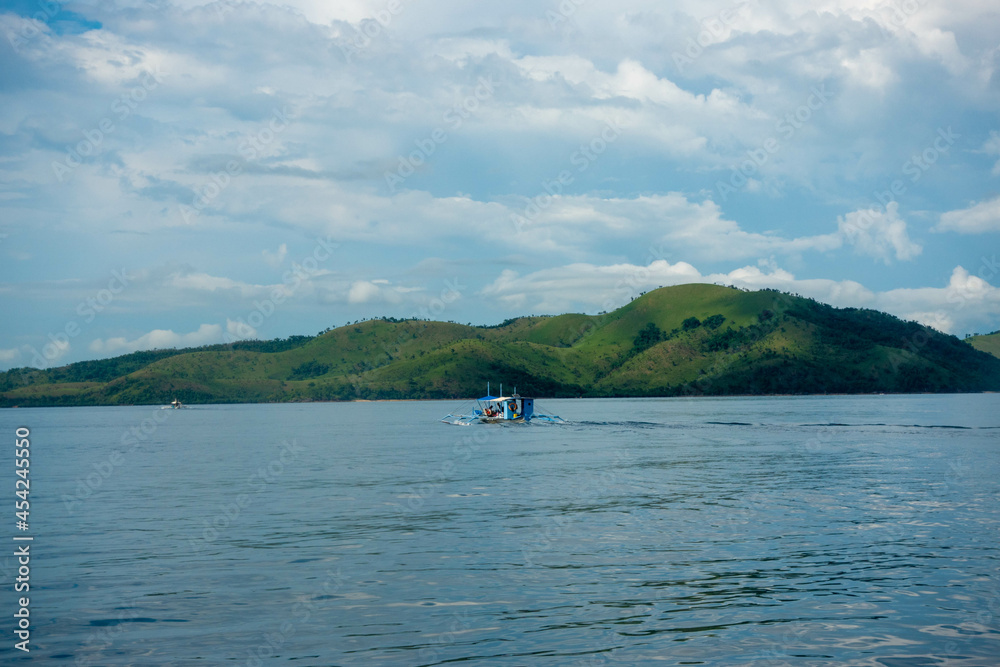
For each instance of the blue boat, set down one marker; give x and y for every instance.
(500, 409)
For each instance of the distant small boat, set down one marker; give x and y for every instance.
(176, 404)
(498, 409)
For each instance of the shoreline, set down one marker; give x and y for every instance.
(547, 398)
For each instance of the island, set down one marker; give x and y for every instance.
(686, 340)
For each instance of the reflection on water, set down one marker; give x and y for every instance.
(807, 531)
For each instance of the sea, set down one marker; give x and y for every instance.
(826, 530)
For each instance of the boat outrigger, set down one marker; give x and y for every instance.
(499, 409)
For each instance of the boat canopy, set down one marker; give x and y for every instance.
(488, 398)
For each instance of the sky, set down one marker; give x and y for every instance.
(177, 173)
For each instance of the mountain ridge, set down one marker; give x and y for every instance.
(695, 339)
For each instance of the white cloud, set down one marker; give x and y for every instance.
(239, 330)
(635, 101)
(203, 282)
(630, 80)
(594, 287)
(7, 356)
(976, 219)
(302, 287)
(936, 319)
(363, 291)
(878, 233)
(379, 290)
(276, 259)
(966, 303)
(696, 229)
(568, 224)
(207, 334)
(942, 46)
(868, 69)
(353, 11)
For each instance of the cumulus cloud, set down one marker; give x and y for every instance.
(976, 219)
(967, 302)
(699, 229)
(380, 291)
(207, 334)
(678, 119)
(878, 233)
(363, 291)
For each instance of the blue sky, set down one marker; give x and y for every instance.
(178, 173)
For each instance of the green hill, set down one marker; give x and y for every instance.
(990, 343)
(683, 340)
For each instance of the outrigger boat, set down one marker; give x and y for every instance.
(499, 409)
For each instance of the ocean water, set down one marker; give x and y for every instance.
(844, 530)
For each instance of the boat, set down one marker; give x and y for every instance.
(176, 404)
(500, 409)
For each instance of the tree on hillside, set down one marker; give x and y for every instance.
(648, 337)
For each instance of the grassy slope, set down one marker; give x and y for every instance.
(767, 343)
(990, 343)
